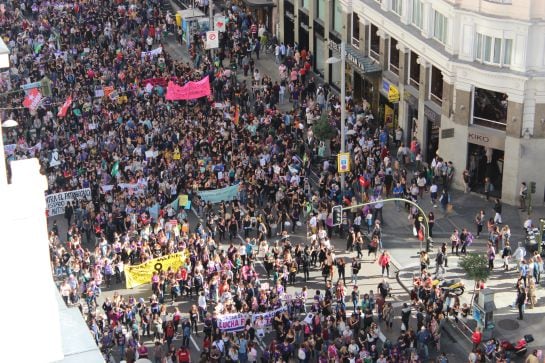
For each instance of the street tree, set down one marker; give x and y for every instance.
(324, 131)
(476, 268)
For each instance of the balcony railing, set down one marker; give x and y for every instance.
(374, 55)
(493, 124)
(394, 69)
(413, 82)
(436, 99)
(356, 43)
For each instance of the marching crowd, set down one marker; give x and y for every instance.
(111, 61)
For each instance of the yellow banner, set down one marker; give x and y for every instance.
(141, 274)
(182, 200)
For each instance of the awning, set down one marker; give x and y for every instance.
(259, 3)
(364, 64)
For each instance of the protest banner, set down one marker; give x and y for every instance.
(268, 316)
(56, 202)
(152, 53)
(219, 195)
(141, 274)
(189, 91)
(232, 322)
(236, 322)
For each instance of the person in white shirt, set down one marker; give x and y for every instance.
(201, 302)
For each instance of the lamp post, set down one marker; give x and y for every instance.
(334, 60)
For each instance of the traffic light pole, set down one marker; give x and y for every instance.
(426, 221)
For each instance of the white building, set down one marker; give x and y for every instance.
(470, 75)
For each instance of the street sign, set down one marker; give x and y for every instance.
(337, 212)
(212, 39)
(343, 162)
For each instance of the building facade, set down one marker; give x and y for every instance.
(470, 75)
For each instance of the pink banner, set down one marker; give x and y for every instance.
(189, 91)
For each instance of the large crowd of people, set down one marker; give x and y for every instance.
(111, 59)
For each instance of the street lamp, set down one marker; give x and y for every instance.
(334, 60)
(3, 169)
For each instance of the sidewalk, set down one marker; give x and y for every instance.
(502, 283)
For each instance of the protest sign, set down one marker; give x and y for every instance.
(183, 199)
(56, 202)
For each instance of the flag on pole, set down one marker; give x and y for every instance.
(33, 99)
(115, 169)
(65, 106)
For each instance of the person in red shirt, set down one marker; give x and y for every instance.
(384, 262)
(183, 355)
(476, 338)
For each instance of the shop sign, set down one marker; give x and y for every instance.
(290, 16)
(432, 115)
(351, 57)
(391, 91)
(486, 138)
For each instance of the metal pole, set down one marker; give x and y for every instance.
(427, 229)
(343, 108)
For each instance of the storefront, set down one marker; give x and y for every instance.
(361, 72)
(303, 30)
(289, 23)
(412, 117)
(335, 69)
(388, 105)
(485, 158)
(433, 125)
(319, 50)
(263, 12)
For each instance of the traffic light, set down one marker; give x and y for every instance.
(337, 215)
(533, 187)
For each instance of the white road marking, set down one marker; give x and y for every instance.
(194, 343)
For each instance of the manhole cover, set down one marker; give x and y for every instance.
(508, 324)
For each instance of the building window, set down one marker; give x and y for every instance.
(321, 9)
(416, 16)
(414, 71)
(490, 108)
(492, 50)
(397, 6)
(374, 43)
(305, 4)
(337, 16)
(319, 51)
(436, 86)
(355, 30)
(394, 57)
(507, 50)
(440, 23)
